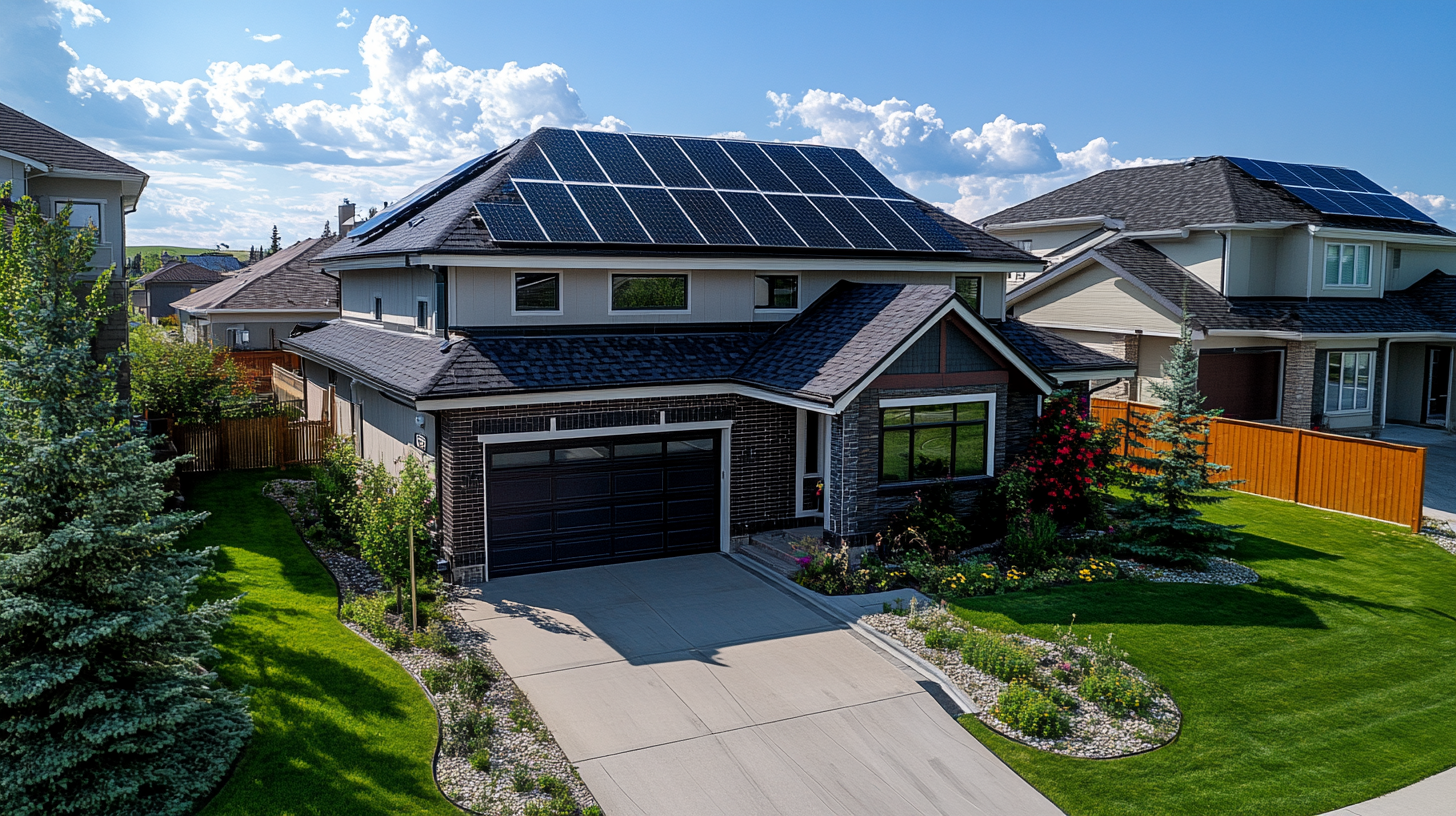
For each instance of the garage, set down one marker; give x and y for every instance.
(576, 502)
(1244, 383)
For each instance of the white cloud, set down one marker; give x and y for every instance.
(1440, 207)
(82, 13)
(346, 18)
(267, 37)
(728, 134)
(1003, 163)
(69, 50)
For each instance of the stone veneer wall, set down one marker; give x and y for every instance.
(761, 487)
(1299, 384)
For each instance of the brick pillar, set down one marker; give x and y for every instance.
(1299, 379)
(1132, 345)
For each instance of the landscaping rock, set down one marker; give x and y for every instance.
(1220, 571)
(1439, 531)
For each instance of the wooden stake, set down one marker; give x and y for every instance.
(414, 601)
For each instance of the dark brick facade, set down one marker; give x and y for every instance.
(761, 489)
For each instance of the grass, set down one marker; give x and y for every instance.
(341, 728)
(1327, 683)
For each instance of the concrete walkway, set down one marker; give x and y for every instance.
(692, 686)
(1428, 797)
(1440, 498)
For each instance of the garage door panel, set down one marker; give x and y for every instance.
(694, 538)
(646, 513)
(648, 542)
(504, 559)
(519, 491)
(580, 517)
(689, 478)
(580, 549)
(1244, 385)
(638, 481)
(704, 507)
(583, 486)
(521, 524)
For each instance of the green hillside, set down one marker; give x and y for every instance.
(241, 255)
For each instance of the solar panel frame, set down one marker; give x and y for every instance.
(891, 225)
(938, 237)
(569, 156)
(1383, 204)
(710, 159)
(557, 212)
(717, 223)
(850, 223)
(618, 158)
(761, 220)
(808, 222)
(868, 173)
(661, 216)
(1316, 199)
(1348, 203)
(604, 207)
(1333, 190)
(756, 164)
(668, 161)
(799, 169)
(845, 180)
(509, 222)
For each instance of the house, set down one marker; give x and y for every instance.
(1316, 298)
(618, 347)
(172, 281)
(260, 305)
(56, 170)
(217, 261)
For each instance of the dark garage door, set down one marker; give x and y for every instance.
(1244, 384)
(570, 503)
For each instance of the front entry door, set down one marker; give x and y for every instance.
(1438, 384)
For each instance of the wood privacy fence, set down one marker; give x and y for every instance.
(257, 366)
(244, 444)
(287, 385)
(1364, 477)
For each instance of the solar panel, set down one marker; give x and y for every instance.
(510, 222)
(803, 174)
(890, 225)
(392, 214)
(807, 221)
(569, 156)
(765, 174)
(607, 212)
(850, 223)
(554, 207)
(867, 172)
(714, 219)
(925, 226)
(844, 179)
(662, 217)
(668, 161)
(1333, 190)
(617, 156)
(764, 222)
(714, 164)
(530, 163)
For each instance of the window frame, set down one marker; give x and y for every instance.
(980, 290)
(423, 302)
(1353, 387)
(516, 311)
(950, 399)
(687, 293)
(798, 290)
(58, 204)
(376, 308)
(1340, 247)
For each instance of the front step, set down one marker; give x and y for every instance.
(775, 548)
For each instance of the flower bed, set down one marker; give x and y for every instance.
(495, 756)
(1074, 697)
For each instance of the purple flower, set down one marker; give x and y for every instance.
(804, 561)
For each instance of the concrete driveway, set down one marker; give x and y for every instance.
(1440, 498)
(690, 686)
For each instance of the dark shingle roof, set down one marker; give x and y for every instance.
(1434, 295)
(283, 281)
(221, 261)
(1172, 196)
(27, 137)
(448, 225)
(1049, 351)
(180, 272)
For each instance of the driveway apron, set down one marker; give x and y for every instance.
(687, 686)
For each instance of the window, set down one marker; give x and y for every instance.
(631, 293)
(776, 292)
(1395, 258)
(969, 288)
(538, 292)
(1024, 244)
(1347, 381)
(920, 442)
(1347, 264)
(422, 314)
(378, 308)
(83, 214)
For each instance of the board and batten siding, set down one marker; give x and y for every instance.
(1416, 262)
(388, 429)
(399, 289)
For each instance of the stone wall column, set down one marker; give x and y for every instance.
(1132, 345)
(1299, 380)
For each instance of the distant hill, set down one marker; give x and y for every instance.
(241, 255)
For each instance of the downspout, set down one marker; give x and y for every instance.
(1385, 383)
(1223, 270)
(1309, 271)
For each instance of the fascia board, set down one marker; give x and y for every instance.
(1010, 226)
(745, 263)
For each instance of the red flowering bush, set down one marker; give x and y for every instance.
(1068, 462)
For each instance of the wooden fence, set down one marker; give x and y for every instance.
(245, 444)
(287, 384)
(257, 366)
(1364, 477)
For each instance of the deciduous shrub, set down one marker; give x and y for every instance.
(830, 573)
(999, 656)
(369, 612)
(1032, 542)
(480, 760)
(1116, 691)
(930, 526)
(1031, 712)
(1068, 461)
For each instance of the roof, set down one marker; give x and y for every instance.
(445, 222)
(283, 281)
(221, 261)
(1172, 196)
(820, 356)
(181, 272)
(32, 139)
(1052, 352)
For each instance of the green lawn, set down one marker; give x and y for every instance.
(1331, 681)
(341, 728)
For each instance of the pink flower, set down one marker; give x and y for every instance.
(804, 561)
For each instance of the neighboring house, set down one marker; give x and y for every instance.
(678, 345)
(173, 281)
(262, 304)
(55, 170)
(217, 261)
(1316, 298)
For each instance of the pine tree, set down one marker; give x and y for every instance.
(1171, 476)
(106, 703)
(328, 229)
(274, 245)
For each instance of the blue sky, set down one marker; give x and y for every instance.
(251, 114)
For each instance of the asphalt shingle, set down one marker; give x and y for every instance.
(283, 281)
(25, 136)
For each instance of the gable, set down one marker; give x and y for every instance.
(950, 353)
(1096, 297)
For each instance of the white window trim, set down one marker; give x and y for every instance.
(429, 316)
(1369, 390)
(798, 293)
(1369, 271)
(560, 293)
(981, 296)
(633, 274)
(901, 402)
(59, 202)
(801, 467)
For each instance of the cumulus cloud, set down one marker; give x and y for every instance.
(82, 13)
(1439, 207)
(345, 18)
(1000, 164)
(267, 37)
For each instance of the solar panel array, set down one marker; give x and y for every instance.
(592, 187)
(1333, 190)
(409, 204)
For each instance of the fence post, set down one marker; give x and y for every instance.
(1298, 461)
(1420, 494)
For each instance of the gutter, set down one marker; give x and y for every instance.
(1316, 230)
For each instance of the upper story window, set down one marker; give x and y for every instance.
(422, 313)
(776, 292)
(378, 307)
(83, 214)
(538, 292)
(1024, 244)
(649, 293)
(1347, 264)
(969, 288)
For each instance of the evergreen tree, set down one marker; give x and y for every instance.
(274, 245)
(328, 229)
(1170, 474)
(106, 703)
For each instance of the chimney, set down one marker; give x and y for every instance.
(346, 218)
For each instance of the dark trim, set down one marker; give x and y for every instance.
(957, 483)
(941, 380)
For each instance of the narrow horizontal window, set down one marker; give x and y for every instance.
(649, 293)
(520, 459)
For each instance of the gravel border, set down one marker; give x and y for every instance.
(1095, 734)
(1221, 571)
(1439, 531)
(519, 741)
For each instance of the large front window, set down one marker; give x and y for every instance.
(1347, 381)
(649, 293)
(920, 442)
(1347, 264)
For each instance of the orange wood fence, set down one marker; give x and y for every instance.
(257, 366)
(1364, 477)
(245, 444)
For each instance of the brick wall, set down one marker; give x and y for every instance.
(761, 488)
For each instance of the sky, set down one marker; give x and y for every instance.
(248, 115)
